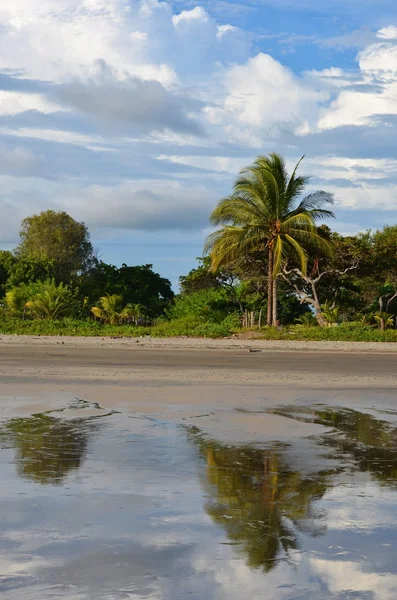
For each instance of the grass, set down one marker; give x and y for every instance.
(348, 332)
(361, 333)
(72, 327)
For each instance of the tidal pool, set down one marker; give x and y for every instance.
(99, 505)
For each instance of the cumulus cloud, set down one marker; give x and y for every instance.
(373, 94)
(388, 33)
(263, 97)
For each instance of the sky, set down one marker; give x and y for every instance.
(135, 116)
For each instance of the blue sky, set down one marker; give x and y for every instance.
(136, 115)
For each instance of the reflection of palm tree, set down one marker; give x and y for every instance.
(47, 448)
(258, 500)
(371, 443)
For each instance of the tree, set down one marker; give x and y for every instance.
(16, 300)
(51, 302)
(111, 310)
(138, 285)
(330, 314)
(7, 261)
(28, 269)
(328, 279)
(264, 214)
(58, 238)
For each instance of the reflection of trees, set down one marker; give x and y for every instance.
(258, 500)
(47, 448)
(371, 443)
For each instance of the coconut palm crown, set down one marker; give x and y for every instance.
(266, 212)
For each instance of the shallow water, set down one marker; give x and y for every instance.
(98, 505)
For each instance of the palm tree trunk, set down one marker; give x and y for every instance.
(270, 289)
(275, 322)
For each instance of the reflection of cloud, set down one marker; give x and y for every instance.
(133, 523)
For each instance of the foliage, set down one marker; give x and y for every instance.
(346, 332)
(58, 238)
(264, 214)
(16, 300)
(54, 276)
(29, 269)
(385, 320)
(307, 320)
(7, 261)
(111, 310)
(209, 305)
(138, 285)
(51, 302)
(330, 313)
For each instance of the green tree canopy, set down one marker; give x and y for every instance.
(58, 238)
(137, 284)
(7, 261)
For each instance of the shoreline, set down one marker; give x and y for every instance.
(224, 389)
(189, 343)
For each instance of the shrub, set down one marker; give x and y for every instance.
(208, 306)
(232, 321)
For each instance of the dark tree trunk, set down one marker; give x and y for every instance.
(275, 316)
(270, 289)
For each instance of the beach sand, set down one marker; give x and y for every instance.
(225, 388)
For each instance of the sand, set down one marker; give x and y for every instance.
(196, 343)
(224, 388)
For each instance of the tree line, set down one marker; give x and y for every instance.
(54, 272)
(269, 255)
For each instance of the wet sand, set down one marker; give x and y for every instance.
(196, 386)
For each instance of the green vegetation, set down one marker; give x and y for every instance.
(269, 272)
(266, 213)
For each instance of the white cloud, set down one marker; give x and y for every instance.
(374, 94)
(355, 170)
(379, 61)
(263, 96)
(13, 103)
(115, 73)
(388, 33)
(54, 135)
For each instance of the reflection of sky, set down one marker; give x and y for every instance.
(131, 523)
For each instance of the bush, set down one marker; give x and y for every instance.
(188, 327)
(342, 333)
(208, 306)
(232, 321)
(193, 328)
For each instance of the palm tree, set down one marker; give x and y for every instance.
(52, 302)
(264, 214)
(16, 301)
(110, 309)
(307, 320)
(134, 311)
(384, 319)
(330, 313)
